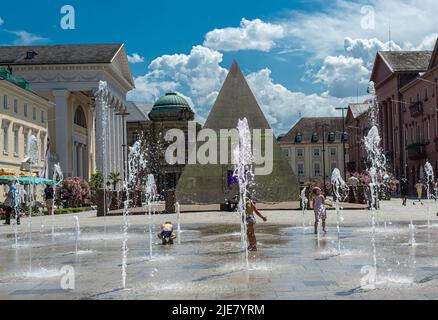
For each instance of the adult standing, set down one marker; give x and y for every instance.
(419, 187)
(49, 196)
(404, 190)
(11, 204)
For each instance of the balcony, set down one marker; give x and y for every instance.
(417, 151)
(416, 109)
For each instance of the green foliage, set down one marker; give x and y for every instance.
(114, 179)
(96, 183)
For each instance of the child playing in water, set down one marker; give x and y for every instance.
(167, 234)
(319, 203)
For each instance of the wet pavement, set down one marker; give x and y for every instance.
(291, 262)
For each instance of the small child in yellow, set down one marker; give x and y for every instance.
(167, 234)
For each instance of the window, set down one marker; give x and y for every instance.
(331, 137)
(16, 143)
(25, 109)
(300, 169)
(333, 166)
(43, 120)
(5, 139)
(298, 138)
(15, 105)
(316, 152)
(43, 151)
(135, 136)
(333, 152)
(80, 119)
(315, 138)
(34, 113)
(25, 135)
(300, 153)
(286, 152)
(317, 169)
(5, 102)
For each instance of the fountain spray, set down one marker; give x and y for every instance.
(178, 220)
(244, 159)
(428, 169)
(378, 162)
(151, 196)
(58, 177)
(339, 186)
(77, 232)
(304, 202)
(32, 154)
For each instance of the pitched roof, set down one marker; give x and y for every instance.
(358, 109)
(59, 54)
(138, 111)
(306, 127)
(407, 61)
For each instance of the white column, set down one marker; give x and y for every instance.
(100, 132)
(75, 159)
(118, 145)
(80, 161)
(62, 125)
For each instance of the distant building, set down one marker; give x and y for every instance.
(22, 114)
(68, 76)
(152, 122)
(357, 128)
(309, 142)
(406, 87)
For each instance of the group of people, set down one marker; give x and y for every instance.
(13, 203)
(419, 187)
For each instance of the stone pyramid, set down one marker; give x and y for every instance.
(209, 184)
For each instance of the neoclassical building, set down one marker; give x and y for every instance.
(69, 76)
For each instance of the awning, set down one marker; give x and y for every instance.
(25, 180)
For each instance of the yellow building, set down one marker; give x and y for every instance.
(22, 114)
(310, 142)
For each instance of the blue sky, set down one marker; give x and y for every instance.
(300, 57)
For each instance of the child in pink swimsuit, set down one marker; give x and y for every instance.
(319, 208)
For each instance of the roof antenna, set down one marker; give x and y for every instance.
(390, 40)
(357, 95)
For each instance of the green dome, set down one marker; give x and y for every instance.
(171, 107)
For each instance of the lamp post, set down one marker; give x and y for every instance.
(343, 140)
(323, 155)
(123, 113)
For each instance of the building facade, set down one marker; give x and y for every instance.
(406, 88)
(357, 126)
(22, 114)
(69, 76)
(310, 142)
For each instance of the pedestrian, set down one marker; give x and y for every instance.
(404, 190)
(419, 187)
(250, 223)
(49, 196)
(11, 204)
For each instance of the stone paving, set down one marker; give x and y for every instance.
(291, 262)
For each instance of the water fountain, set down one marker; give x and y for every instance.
(428, 169)
(243, 158)
(151, 196)
(58, 177)
(77, 232)
(377, 160)
(304, 202)
(339, 187)
(125, 228)
(178, 221)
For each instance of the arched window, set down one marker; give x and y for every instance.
(80, 119)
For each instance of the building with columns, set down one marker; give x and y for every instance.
(84, 139)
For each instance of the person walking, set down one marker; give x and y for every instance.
(404, 190)
(11, 204)
(319, 208)
(419, 187)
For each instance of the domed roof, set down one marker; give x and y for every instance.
(171, 107)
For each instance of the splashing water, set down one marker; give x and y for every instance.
(151, 196)
(339, 186)
(58, 177)
(125, 228)
(77, 232)
(377, 160)
(178, 221)
(244, 159)
(304, 202)
(428, 169)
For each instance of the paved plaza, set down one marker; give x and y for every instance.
(291, 262)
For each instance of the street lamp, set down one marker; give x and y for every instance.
(124, 113)
(343, 139)
(323, 154)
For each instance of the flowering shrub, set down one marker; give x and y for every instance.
(73, 192)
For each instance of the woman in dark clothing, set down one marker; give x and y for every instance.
(404, 190)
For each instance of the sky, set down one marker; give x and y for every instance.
(300, 57)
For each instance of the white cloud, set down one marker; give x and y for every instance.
(251, 35)
(197, 75)
(25, 38)
(283, 107)
(135, 58)
(343, 76)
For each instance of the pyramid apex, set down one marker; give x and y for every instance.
(234, 67)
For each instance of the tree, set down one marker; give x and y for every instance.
(114, 178)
